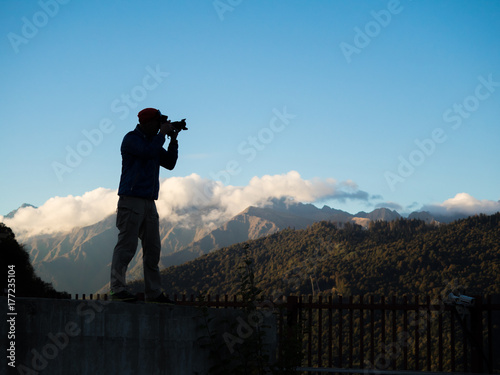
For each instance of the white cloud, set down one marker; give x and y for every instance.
(463, 203)
(188, 201)
(193, 200)
(61, 214)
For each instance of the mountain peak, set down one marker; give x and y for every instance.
(11, 214)
(380, 214)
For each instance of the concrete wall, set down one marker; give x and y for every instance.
(97, 337)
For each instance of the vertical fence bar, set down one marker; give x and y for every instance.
(340, 331)
(330, 331)
(405, 330)
(280, 332)
(465, 348)
(440, 339)
(490, 335)
(309, 333)
(428, 323)
(320, 330)
(394, 332)
(382, 326)
(361, 333)
(417, 335)
(300, 314)
(372, 331)
(351, 329)
(291, 316)
(452, 341)
(476, 328)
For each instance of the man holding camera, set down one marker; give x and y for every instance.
(142, 155)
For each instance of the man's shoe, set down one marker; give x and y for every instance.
(123, 296)
(162, 298)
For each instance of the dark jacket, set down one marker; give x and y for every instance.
(141, 160)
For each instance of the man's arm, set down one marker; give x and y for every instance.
(168, 158)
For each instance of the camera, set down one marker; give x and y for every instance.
(461, 300)
(177, 125)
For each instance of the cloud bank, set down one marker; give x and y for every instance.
(463, 204)
(210, 203)
(187, 201)
(61, 214)
(193, 201)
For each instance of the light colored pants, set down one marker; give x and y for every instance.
(137, 218)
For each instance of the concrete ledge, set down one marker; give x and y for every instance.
(101, 337)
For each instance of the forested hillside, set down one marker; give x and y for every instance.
(390, 258)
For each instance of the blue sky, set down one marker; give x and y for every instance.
(397, 101)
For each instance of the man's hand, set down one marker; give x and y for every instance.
(167, 129)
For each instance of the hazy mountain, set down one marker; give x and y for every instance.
(256, 222)
(11, 214)
(379, 214)
(424, 216)
(79, 261)
(76, 261)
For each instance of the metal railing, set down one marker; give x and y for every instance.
(382, 335)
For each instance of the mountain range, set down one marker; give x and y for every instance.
(79, 261)
(390, 258)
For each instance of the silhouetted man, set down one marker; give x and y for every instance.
(142, 155)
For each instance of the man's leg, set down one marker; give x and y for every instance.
(151, 249)
(128, 220)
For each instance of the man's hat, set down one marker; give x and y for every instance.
(148, 114)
